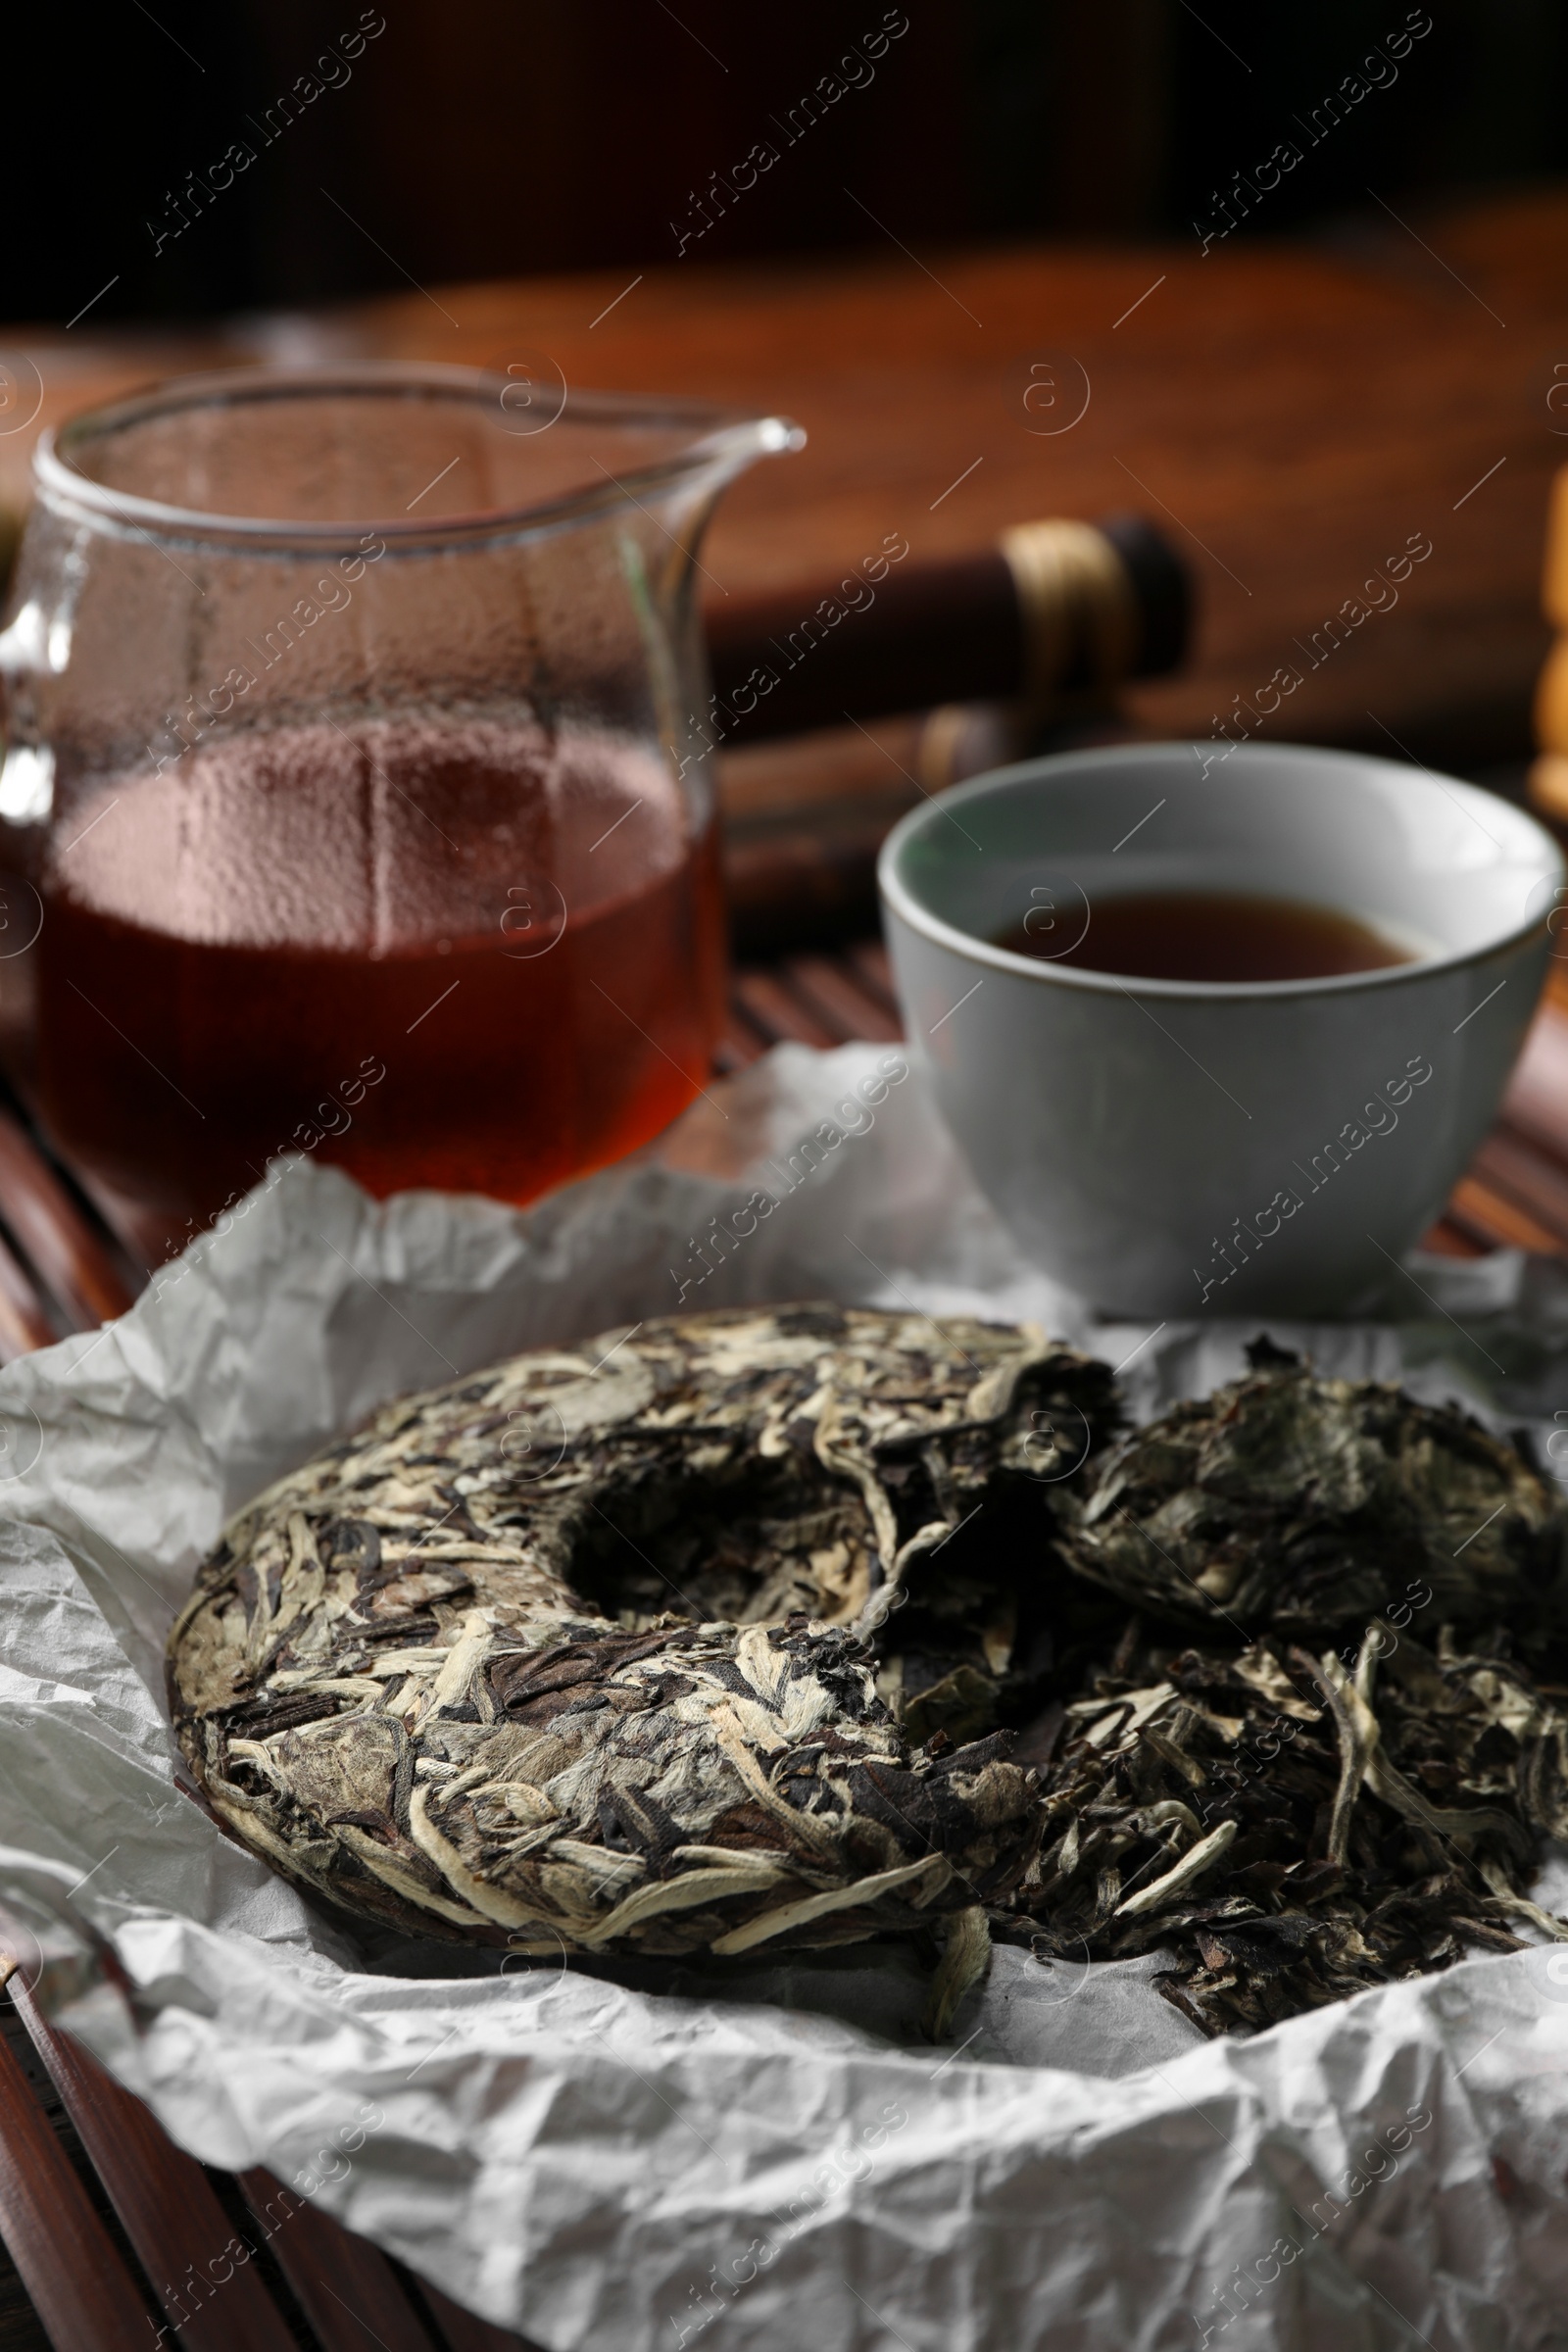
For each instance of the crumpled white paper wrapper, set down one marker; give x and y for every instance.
(770, 2152)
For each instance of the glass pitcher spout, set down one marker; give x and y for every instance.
(705, 469)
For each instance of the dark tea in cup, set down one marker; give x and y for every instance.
(1221, 936)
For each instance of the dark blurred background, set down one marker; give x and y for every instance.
(498, 137)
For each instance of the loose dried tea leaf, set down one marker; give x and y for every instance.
(1288, 1824)
(1291, 1831)
(1301, 1504)
(572, 1655)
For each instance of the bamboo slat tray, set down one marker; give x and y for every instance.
(114, 2241)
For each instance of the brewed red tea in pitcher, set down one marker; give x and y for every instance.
(458, 955)
(353, 758)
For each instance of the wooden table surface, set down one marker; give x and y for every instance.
(1293, 411)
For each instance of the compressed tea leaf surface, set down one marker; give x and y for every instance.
(568, 1655)
(1303, 1504)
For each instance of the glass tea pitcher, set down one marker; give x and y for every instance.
(355, 751)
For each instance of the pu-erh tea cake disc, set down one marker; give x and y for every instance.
(567, 1655)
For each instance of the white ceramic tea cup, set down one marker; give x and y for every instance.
(1170, 1147)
